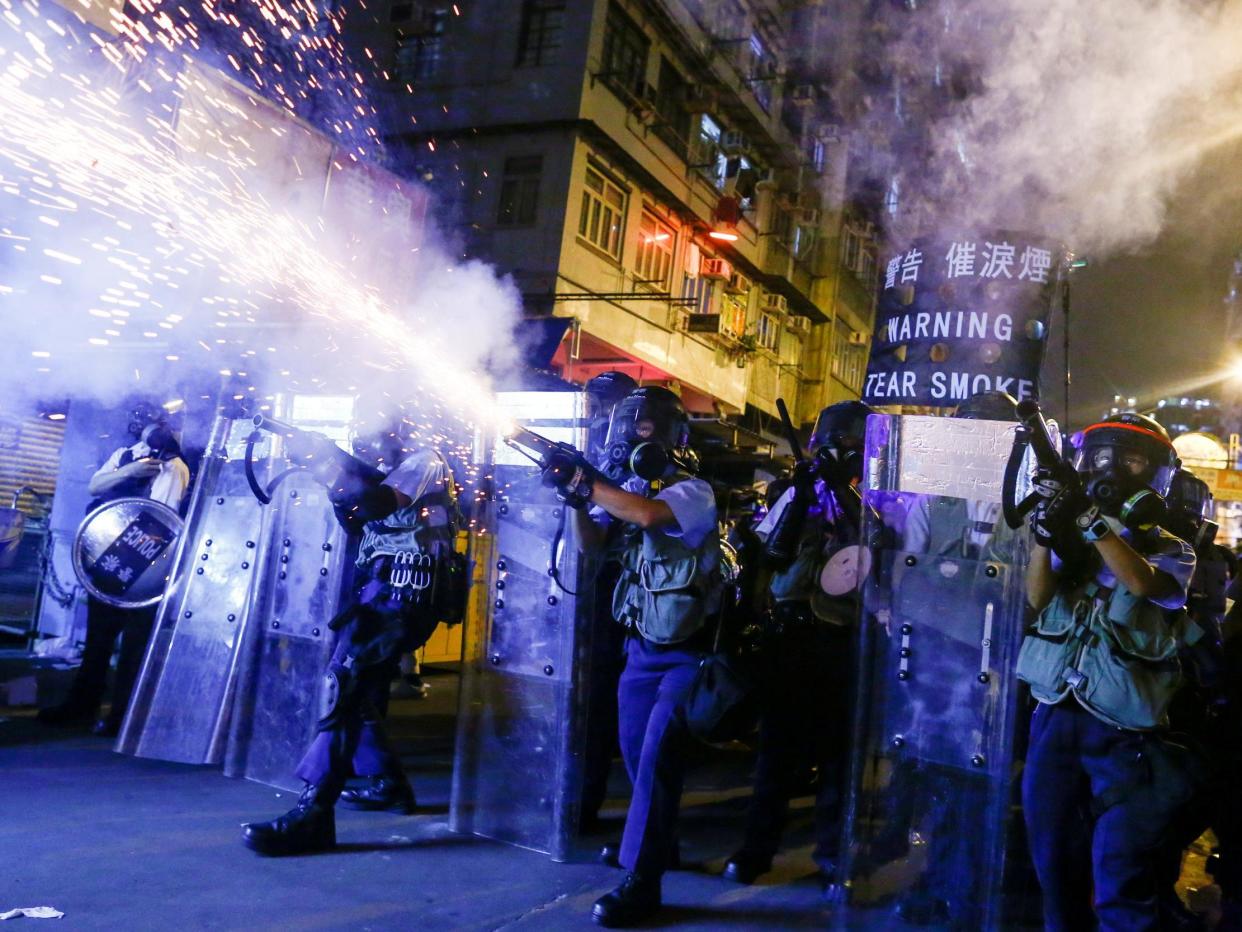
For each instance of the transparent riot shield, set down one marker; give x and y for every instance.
(233, 670)
(518, 769)
(926, 826)
(181, 700)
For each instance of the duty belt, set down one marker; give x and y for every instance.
(792, 613)
(408, 569)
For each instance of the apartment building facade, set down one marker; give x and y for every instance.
(657, 176)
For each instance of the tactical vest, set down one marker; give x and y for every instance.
(406, 530)
(1114, 651)
(667, 590)
(129, 488)
(800, 581)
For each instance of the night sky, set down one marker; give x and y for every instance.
(1144, 322)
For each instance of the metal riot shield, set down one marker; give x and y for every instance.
(518, 769)
(927, 818)
(233, 668)
(123, 550)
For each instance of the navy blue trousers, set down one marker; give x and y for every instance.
(1080, 855)
(805, 724)
(371, 636)
(652, 729)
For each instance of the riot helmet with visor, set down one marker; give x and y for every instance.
(1123, 456)
(839, 433)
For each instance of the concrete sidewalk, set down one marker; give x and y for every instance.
(123, 843)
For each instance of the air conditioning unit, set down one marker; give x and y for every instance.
(800, 325)
(803, 95)
(856, 338)
(733, 143)
(738, 284)
(775, 303)
(703, 153)
(719, 269)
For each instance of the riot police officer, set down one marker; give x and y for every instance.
(1100, 786)
(150, 467)
(407, 520)
(1206, 708)
(603, 392)
(668, 588)
(811, 542)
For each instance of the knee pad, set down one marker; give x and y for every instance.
(332, 694)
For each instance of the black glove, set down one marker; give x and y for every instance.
(1054, 520)
(803, 480)
(571, 475)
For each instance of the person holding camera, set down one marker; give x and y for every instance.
(1102, 784)
(811, 550)
(150, 467)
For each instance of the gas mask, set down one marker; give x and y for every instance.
(837, 439)
(1191, 509)
(144, 414)
(1127, 463)
(648, 434)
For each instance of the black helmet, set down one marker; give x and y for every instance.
(1123, 455)
(143, 414)
(989, 406)
(842, 423)
(378, 432)
(607, 388)
(648, 432)
(1189, 499)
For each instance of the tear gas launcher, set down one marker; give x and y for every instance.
(308, 451)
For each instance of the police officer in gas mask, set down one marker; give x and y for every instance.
(1101, 784)
(668, 589)
(402, 502)
(811, 549)
(603, 393)
(149, 467)
(1207, 707)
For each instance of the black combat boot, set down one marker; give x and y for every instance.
(637, 898)
(308, 827)
(747, 865)
(391, 794)
(71, 712)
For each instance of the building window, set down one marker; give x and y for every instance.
(420, 43)
(733, 314)
(625, 53)
(761, 72)
(543, 24)
(892, 197)
(768, 331)
(849, 354)
(702, 291)
(672, 118)
(602, 221)
(706, 154)
(519, 191)
(815, 154)
(656, 243)
(858, 255)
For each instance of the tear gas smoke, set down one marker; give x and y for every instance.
(1074, 120)
(228, 238)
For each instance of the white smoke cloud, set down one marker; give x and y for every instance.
(133, 252)
(1088, 116)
